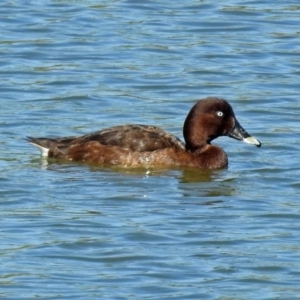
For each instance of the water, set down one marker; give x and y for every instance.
(71, 231)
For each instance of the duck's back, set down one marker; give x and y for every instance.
(137, 138)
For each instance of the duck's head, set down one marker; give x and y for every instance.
(210, 118)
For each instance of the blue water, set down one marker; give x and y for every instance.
(72, 231)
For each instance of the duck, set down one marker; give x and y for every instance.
(136, 145)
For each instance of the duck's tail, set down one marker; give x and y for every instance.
(43, 144)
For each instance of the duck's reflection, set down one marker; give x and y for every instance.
(190, 182)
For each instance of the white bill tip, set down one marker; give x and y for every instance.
(252, 140)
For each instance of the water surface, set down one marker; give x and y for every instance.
(71, 231)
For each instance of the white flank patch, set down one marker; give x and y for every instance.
(44, 151)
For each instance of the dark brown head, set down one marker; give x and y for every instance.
(210, 118)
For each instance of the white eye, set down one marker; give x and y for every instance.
(220, 114)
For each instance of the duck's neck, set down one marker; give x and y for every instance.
(195, 140)
(211, 157)
(194, 132)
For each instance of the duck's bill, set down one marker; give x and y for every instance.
(239, 133)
